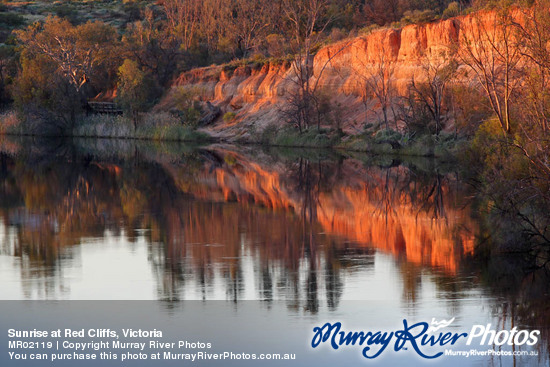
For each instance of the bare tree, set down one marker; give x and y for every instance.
(214, 19)
(511, 61)
(534, 99)
(155, 47)
(536, 38)
(308, 21)
(431, 88)
(183, 18)
(377, 82)
(491, 51)
(251, 20)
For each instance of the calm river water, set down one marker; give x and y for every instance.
(320, 236)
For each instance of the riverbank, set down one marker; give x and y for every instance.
(153, 126)
(163, 126)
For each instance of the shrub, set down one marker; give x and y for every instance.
(66, 11)
(369, 29)
(137, 90)
(487, 143)
(186, 105)
(269, 133)
(337, 35)
(275, 45)
(229, 116)
(387, 135)
(453, 10)
(11, 20)
(418, 16)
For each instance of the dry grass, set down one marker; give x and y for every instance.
(153, 126)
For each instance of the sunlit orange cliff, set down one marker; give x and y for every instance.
(257, 95)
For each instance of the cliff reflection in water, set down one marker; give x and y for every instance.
(307, 228)
(216, 217)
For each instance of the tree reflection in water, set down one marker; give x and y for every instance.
(294, 223)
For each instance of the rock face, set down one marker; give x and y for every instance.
(258, 94)
(210, 115)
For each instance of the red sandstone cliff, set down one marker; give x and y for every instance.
(257, 95)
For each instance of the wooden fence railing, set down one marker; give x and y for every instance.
(110, 108)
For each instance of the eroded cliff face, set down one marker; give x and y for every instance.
(258, 95)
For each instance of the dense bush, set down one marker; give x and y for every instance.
(453, 10)
(11, 20)
(387, 135)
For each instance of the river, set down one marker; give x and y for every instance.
(311, 236)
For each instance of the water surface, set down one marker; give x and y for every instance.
(311, 230)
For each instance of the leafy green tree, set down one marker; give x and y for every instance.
(59, 63)
(78, 51)
(136, 90)
(48, 100)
